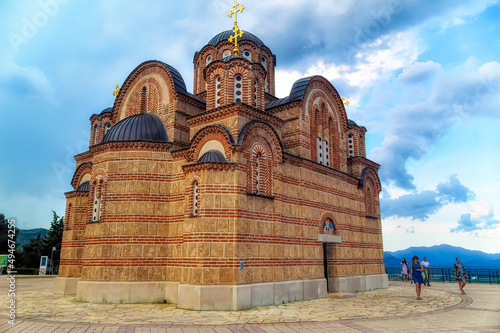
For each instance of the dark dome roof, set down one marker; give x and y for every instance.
(231, 57)
(351, 122)
(140, 127)
(212, 156)
(83, 187)
(107, 110)
(226, 34)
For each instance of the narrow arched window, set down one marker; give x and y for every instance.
(143, 99)
(96, 203)
(238, 88)
(255, 92)
(258, 173)
(96, 134)
(264, 62)
(217, 91)
(67, 219)
(107, 128)
(350, 145)
(195, 199)
(226, 53)
(208, 59)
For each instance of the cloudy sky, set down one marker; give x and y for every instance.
(422, 76)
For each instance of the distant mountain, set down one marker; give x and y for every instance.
(443, 256)
(24, 236)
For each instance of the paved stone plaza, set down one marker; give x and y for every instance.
(396, 309)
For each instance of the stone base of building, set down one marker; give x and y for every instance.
(205, 297)
(120, 292)
(201, 297)
(66, 285)
(352, 284)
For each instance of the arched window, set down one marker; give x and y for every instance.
(247, 55)
(67, 219)
(226, 53)
(350, 145)
(264, 62)
(257, 174)
(208, 59)
(96, 134)
(107, 128)
(238, 88)
(96, 203)
(143, 99)
(255, 92)
(195, 199)
(217, 91)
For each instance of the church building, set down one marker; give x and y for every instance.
(225, 198)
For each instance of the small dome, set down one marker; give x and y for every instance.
(140, 127)
(84, 187)
(223, 36)
(212, 156)
(351, 122)
(107, 110)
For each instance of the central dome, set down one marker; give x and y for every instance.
(224, 36)
(140, 127)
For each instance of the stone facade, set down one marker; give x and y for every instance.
(287, 209)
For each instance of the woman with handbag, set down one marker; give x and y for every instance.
(416, 274)
(460, 275)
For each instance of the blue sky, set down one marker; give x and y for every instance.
(422, 76)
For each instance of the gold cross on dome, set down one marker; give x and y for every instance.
(345, 101)
(115, 92)
(235, 11)
(237, 33)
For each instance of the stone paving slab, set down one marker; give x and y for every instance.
(442, 309)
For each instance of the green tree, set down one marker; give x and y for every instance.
(4, 234)
(54, 239)
(32, 252)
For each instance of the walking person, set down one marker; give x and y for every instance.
(404, 270)
(460, 275)
(416, 274)
(426, 265)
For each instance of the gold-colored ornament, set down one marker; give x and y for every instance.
(236, 30)
(345, 101)
(115, 92)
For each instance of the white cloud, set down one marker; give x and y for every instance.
(419, 71)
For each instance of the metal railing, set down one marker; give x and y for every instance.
(475, 275)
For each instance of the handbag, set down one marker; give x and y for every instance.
(423, 275)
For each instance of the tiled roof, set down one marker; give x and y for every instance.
(223, 36)
(83, 187)
(212, 156)
(140, 127)
(296, 93)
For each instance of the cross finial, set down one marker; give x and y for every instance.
(115, 92)
(236, 30)
(235, 11)
(345, 101)
(237, 33)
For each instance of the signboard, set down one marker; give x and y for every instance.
(3, 260)
(43, 265)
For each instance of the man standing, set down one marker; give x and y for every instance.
(426, 266)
